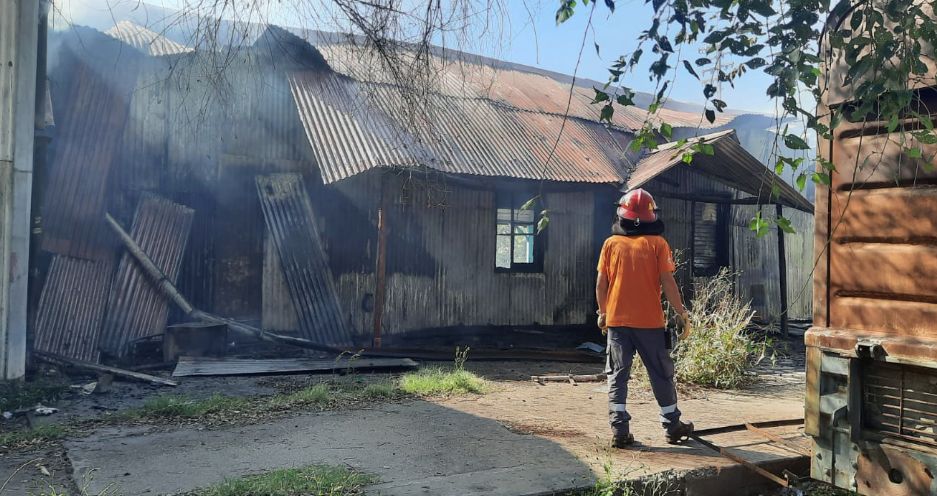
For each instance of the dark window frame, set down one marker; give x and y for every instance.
(513, 200)
(721, 239)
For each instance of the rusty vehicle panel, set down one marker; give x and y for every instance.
(871, 400)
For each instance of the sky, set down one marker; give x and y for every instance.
(526, 34)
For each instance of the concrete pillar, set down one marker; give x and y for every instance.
(19, 27)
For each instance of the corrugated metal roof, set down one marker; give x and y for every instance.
(136, 308)
(145, 40)
(730, 163)
(71, 307)
(354, 126)
(526, 88)
(289, 219)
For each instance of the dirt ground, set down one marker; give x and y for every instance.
(571, 416)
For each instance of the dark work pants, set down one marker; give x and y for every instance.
(652, 346)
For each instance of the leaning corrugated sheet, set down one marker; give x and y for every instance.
(71, 308)
(146, 40)
(730, 163)
(93, 112)
(136, 308)
(288, 214)
(352, 130)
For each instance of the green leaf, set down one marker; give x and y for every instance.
(822, 178)
(636, 145)
(893, 123)
(711, 115)
(856, 22)
(529, 204)
(542, 224)
(687, 158)
(666, 130)
(707, 149)
(915, 153)
(607, 113)
(598, 53)
(795, 142)
(600, 96)
(625, 99)
(758, 225)
(610, 4)
(785, 225)
(801, 181)
(689, 68)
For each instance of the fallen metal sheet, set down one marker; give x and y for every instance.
(71, 307)
(190, 366)
(136, 308)
(288, 215)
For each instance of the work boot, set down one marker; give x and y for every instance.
(624, 441)
(677, 432)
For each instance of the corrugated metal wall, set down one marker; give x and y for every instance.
(754, 258)
(441, 258)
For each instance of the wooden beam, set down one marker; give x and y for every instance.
(169, 290)
(380, 275)
(753, 200)
(782, 272)
(94, 367)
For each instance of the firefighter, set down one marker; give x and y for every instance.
(635, 264)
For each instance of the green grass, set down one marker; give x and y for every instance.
(181, 406)
(435, 381)
(319, 480)
(43, 433)
(379, 391)
(17, 394)
(317, 395)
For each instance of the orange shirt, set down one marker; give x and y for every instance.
(633, 265)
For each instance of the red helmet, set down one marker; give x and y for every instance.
(637, 205)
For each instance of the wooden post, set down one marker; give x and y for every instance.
(689, 287)
(380, 276)
(782, 271)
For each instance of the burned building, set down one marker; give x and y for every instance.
(293, 184)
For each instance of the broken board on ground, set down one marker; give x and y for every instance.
(190, 366)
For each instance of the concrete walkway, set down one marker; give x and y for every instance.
(413, 448)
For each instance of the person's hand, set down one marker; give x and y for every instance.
(603, 326)
(686, 325)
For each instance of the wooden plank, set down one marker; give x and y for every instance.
(907, 270)
(886, 215)
(897, 318)
(189, 366)
(105, 369)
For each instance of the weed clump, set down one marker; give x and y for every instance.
(319, 480)
(720, 353)
(180, 406)
(29, 437)
(435, 381)
(316, 395)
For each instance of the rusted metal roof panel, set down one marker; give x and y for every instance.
(352, 129)
(290, 222)
(71, 307)
(467, 76)
(146, 40)
(136, 308)
(91, 114)
(730, 163)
